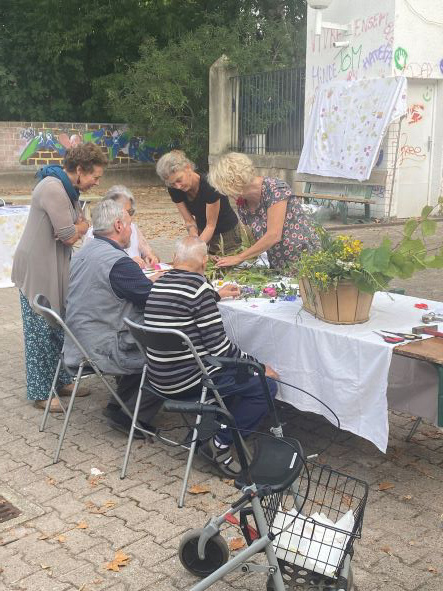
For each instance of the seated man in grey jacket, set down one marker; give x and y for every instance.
(105, 286)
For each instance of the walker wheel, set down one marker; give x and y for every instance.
(216, 553)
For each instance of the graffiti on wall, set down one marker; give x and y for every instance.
(120, 143)
(415, 113)
(409, 152)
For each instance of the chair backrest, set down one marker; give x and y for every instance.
(163, 339)
(43, 306)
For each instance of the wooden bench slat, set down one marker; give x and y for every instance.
(348, 199)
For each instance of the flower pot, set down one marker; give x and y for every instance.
(344, 305)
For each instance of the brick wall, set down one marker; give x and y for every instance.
(32, 145)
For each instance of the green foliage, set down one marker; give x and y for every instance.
(371, 269)
(166, 93)
(63, 61)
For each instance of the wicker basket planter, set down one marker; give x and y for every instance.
(344, 305)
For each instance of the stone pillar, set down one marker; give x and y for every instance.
(220, 106)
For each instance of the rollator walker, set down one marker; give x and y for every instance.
(285, 510)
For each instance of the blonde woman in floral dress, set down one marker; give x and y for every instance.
(271, 210)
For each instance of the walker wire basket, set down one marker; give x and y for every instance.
(322, 533)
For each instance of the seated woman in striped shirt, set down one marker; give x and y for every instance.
(183, 299)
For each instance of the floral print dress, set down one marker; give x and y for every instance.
(298, 231)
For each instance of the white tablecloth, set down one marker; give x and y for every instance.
(346, 366)
(12, 223)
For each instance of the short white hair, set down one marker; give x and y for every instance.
(171, 163)
(105, 214)
(120, 193)
(190, 249)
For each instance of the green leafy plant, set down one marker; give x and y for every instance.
(372, 269)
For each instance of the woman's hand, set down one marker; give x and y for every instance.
(140, 262)
(152, 259)
(229, 291)
(230, 261)
(82, 226)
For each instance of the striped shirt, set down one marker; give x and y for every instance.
(185, 301)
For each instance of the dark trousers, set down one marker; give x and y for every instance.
(127, 389)
(247, 402)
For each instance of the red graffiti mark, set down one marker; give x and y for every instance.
(415, 113)
(408, 152)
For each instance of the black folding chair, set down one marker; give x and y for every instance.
(86, 367)
(168, 339)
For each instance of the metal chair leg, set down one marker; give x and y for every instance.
(414, 429)
(61, 437)
(51, 396)
(133, 424)
(191, 454)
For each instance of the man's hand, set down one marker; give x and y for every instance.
(270, 373)
(156, 276)
(140, 262)
(229, 291)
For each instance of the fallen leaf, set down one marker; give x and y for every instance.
(199, 489)
(61, 539)
(411, 543)
(432, 569)
(82, 525)
(385, 485)
(236, 543)
(45, 566)
(120, 559)
(94, 480)
(347, 499)
(43, 537)
(386, 549)
(51, 481)
(406, 497)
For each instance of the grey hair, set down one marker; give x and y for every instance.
(172, 162)
(190, 249)
(120, 192)
(105, 214)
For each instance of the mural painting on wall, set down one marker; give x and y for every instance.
(47, 146)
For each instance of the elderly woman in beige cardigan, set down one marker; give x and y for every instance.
(41, 262)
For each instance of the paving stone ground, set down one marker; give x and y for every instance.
(82, 520)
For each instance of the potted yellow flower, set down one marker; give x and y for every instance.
(337, 282)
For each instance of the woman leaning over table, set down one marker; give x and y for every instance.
(41, 261)
(269, 207)
(206, 213)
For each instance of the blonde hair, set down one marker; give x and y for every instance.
(231, 173)
(172, 162)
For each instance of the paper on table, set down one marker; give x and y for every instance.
(310, 542)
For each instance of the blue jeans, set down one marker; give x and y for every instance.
(246, 402)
